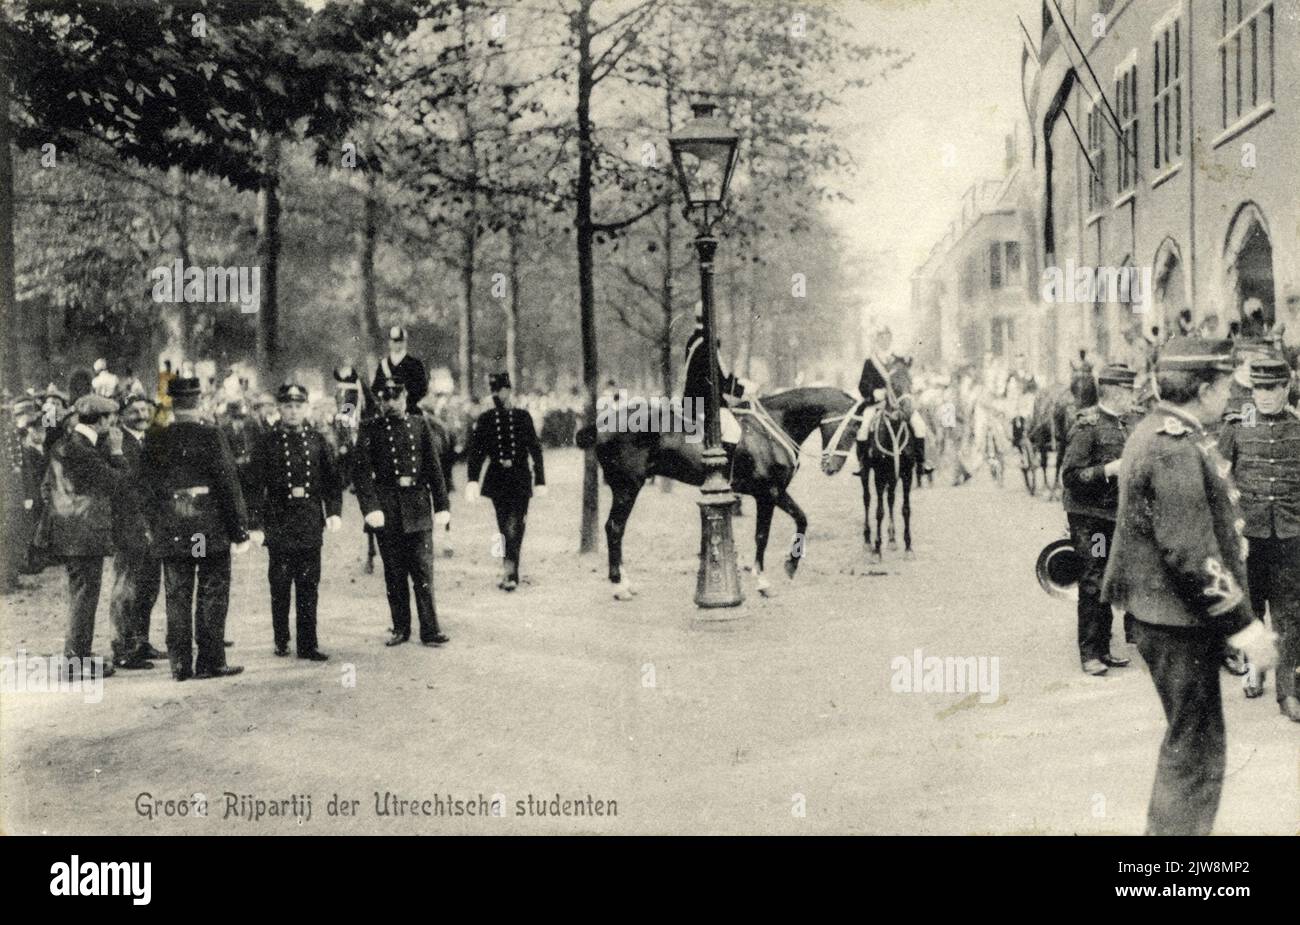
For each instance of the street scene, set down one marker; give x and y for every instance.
(632, 417)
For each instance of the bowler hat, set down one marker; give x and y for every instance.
(92, 405)
(498, 381)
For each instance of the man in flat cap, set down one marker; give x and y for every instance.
(299, 493)
(399, 485)
(1262, 442)
(504, 437)
(403, 367)
(137, 571)
(197, 514)
(1178, 565)
(1090, 474)
(86, 472)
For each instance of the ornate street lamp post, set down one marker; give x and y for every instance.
(704, 156)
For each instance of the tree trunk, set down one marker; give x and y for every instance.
(368, 324)
(17, 372)
(465, 318)
(588, 540)
(268, 258)
(512, 304)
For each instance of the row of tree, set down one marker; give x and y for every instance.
(489, 176)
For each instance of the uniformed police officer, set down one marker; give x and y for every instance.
(403, 367)
(1263, 445)
(1178, 564)
(396, 473)
(299, 493)
(1090, 473)
(505, 438)
(197, 513)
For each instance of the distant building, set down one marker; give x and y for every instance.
(1194, 149)
(975, 294)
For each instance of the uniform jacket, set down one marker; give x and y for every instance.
(192, 487)
(410, 372)
(1265, 458)
(873, 378)
(94, 478)
(1178, 557)
(296, 485)
(506, 439)
(1096, 438)
(697, 370)
(396, 471)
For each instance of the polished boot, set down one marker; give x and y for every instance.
(920, 455)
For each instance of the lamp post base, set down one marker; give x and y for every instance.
(718, 584)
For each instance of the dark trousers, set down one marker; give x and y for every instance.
(85, 575)
(137, 578)
(1273, 572)
(1184, 663)
(408, 568)
(1092, 537)
(203, 622)
(296, 571)
(512, 518)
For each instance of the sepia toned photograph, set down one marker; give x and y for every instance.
(651, 417)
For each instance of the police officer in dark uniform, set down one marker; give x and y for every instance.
(1262, 442)
(505, 438)
(397, 476)
(197, 512)
(299, 493)
(403, 367)
(1178, 564)
(1090, 473)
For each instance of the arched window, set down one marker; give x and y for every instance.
(1169, 284)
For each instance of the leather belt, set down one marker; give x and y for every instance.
(297, 491)
(193, 492)
(405, 481)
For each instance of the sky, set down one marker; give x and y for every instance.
(929, 131)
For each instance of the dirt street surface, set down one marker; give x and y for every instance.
(643, 719)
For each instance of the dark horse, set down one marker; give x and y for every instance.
(761, 466)
(889, 454)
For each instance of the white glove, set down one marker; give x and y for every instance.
(240, 548)
(27, 504)
(471, 492)
(1111, 469)
(256, 536)
(333, 523)
(375, 520)
(540, 491)
(1258, 643)
(878, 394)
(442, 518)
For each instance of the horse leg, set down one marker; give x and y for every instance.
(890, 487)
(880, 509)
(764, 507)
(799, 544)
(907, 517)
(619, 512)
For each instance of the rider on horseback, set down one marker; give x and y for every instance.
(875, 390)
(697, 382)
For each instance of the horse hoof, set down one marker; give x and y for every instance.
(876, 556)
(893, 544)
(622, 594)
(909, 555)
(791, 565)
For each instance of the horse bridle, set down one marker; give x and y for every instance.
(844, 420)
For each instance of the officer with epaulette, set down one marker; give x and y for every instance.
(196, 510)
(399, 485)
(1089, 472)
(1178, 564)
(1262, 442)
(506, 439)
(299, 493)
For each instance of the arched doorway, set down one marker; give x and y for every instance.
(1248, 263)
(1169, 285)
